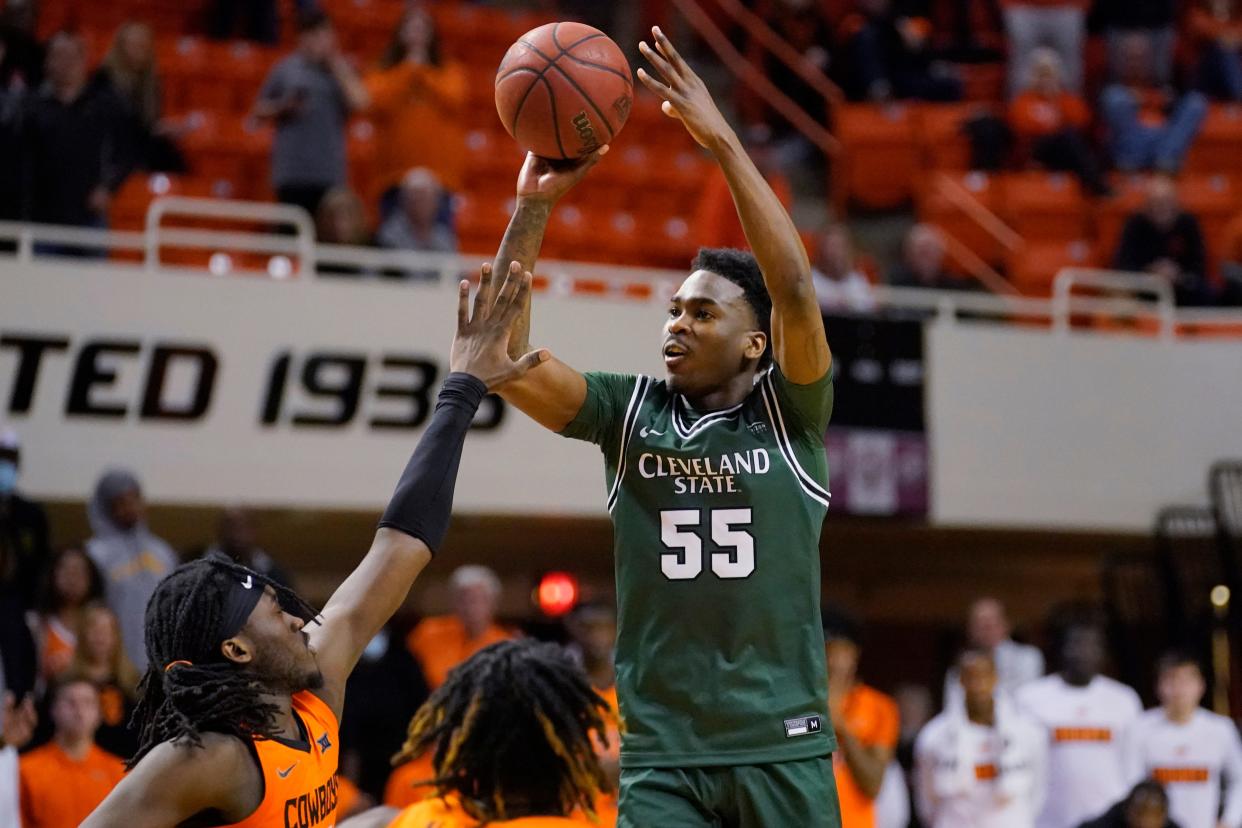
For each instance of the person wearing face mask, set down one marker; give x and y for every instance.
(24, 558)
(131, 558)
(1188, 749)
(1085, 717)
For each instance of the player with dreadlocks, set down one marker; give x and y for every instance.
(240, 703)
(513, 735)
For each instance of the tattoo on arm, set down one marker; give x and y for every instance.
(521, 244)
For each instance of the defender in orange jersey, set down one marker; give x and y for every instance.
(241, 702)
(512, 735)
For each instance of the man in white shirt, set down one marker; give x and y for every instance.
(1085, 717)
(1187, 749)
(988, 628)
(980, 765)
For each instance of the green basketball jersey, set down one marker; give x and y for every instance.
(716, 522)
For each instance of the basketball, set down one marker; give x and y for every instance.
(563, 90)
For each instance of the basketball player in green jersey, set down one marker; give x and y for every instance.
(716, 480)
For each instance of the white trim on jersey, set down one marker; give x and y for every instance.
(627, 433)
(772, 403)
(686, 432)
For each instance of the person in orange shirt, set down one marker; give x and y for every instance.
(417, 97)
(513, 738)
(865, 721)
(1051, 123)
(593, 632)
(73, 582)
(63, 781)
(1149, 127)
(441, 642)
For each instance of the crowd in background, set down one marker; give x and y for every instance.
(70, 133)
(1013, 746)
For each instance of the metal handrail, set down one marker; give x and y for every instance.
(227, 210)
(1063, 300)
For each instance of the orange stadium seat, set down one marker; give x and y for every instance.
(934, 207)
(881, 157)
(942, 141)
(481, 221)
(1215, 149)
(1045, 207)
(1032, 267)
(493, 162)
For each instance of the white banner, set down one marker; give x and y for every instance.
(1078, 430)
(307, 392)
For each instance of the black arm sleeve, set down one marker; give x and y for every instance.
(423, 500)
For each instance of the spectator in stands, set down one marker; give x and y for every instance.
(1164, 239)
(1052, 123)
(864, 719)
(12, 105)
(417, 100)
(383, 692)
(1085, 716)
(889, 57)
(922, 262)
(1153, 20)
(1215, 26)
(839, 284)
(417, 225)
(237, 538)
(17, 724)
(1231, 263)
(1146, 806)
(70, 159)
(130, 76)
(131, 558)
(261, 19)
(24, 551)
(592, 630)
(309, 95)
(1060, 25)
(442, 642)
(981, 762)
(1149, 128)
(63, 781)
(22, 56)
(988, 628)
(1188, 749)
(72, 584)
(24, 558)
(101, 659)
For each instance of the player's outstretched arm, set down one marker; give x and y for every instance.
(553, 394)
(798, 341)
(416, 521)
(176, 782)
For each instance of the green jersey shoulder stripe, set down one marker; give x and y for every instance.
(773, 406)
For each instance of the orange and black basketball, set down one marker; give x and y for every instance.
(563, 90)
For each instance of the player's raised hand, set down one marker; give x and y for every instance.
(481, 345)
(546, 180)
(683, 92)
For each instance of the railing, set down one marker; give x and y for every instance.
(750, 75)
(1116, 297)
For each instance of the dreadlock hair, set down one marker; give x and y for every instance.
(741, 268)
(190, 687)
(513, 732)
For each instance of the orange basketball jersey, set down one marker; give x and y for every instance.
(299, 777)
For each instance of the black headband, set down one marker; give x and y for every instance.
(240, 600)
